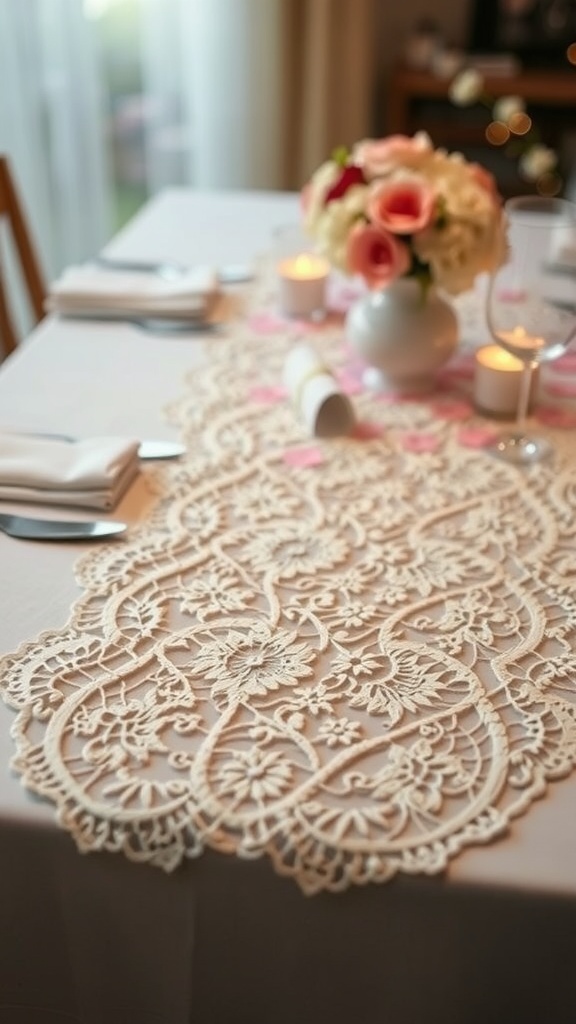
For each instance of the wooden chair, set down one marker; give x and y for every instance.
(12, 212)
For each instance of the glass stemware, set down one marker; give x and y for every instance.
(531, 303)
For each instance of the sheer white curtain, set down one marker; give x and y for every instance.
(104, 102)
(51, 125)
(75, 138)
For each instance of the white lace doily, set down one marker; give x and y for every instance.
(356, 667)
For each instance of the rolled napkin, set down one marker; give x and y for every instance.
(92, 289)
(326, 411)
(93, 474)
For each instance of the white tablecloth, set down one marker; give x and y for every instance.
(422, 949)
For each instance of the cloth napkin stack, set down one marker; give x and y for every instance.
(89, 289)
(93, 474)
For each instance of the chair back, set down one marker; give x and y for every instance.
(12, 211)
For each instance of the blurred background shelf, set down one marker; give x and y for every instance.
(419, 100)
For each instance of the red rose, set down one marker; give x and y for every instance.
(349, 175)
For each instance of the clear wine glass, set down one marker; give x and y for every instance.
(531, 303)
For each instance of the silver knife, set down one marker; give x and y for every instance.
(153, 324)
(28, 528)
(160, 450)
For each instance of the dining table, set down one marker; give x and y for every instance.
(299, 745)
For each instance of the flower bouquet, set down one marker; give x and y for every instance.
(396, 207)
(412, 222)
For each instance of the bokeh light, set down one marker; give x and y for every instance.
(497, 133)
(549, 184)
(520, 123)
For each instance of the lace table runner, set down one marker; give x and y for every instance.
(356, 656)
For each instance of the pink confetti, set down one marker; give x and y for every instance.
(463, 370)
(400, 397)
(367, 431)
(565, 364)
(342, 295)
(267, 395)
(512, 295)
(476, 437)
(564, 389)
(554, 417)
(303, 457)
(455, 410)
(266, 322)
(416, 441)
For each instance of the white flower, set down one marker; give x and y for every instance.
(333, 225)
(506, 107)
(536, 161)
(466, 88)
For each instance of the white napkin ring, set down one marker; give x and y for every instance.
(326, 411)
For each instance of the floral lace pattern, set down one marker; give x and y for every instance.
(357, 667)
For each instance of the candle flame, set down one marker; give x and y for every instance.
(305, 267)
(498, 359)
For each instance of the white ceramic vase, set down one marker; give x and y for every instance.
(404, 335)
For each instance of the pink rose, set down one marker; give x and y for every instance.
(377, 156)
(378, 256)
(402, 207)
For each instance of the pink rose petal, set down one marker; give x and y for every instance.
(565, 364)
(456, 410)
(342, 295)
(367, 431)
(399, 397)
(476, 436)
(564, 389)
(418, 441)
(460, 371)
(554, 417)
(512, 295)
(267, 395)
(266, 322)
(303, 457)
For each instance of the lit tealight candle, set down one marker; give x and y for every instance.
(303, 280)
(497, 379)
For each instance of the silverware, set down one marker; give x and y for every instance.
(147, 450)
(27, 528)
(160, 450)
(231, 273)
(566, 307)
(561, 268)
(153, 324)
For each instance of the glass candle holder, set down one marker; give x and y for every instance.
(302, 275)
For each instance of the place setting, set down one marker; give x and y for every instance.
(59, 470)
(157, 296)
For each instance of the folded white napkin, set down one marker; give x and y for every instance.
(92, 473)
(92, 289)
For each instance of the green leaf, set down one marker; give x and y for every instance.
(340, 155)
